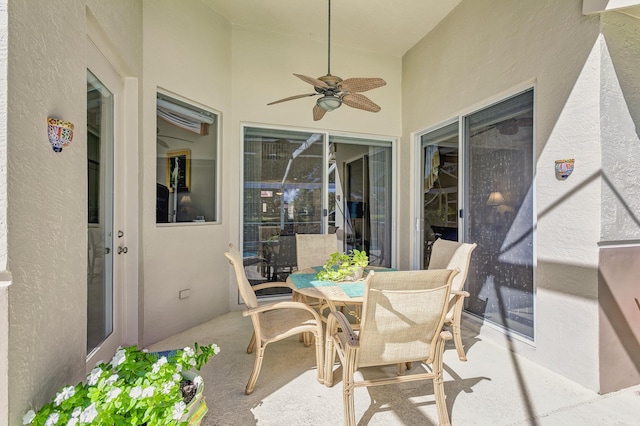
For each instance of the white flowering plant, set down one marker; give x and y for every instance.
(134, 388)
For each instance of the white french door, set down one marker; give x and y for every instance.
(105, 230)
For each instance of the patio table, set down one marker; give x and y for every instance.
(333, 293)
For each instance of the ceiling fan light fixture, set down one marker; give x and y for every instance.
(335, 91)
(329, 103)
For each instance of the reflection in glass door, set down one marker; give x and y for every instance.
(440, 166)
(284, 176)
(368, 198)
(499, 200)
(299, 182)
(100, 283)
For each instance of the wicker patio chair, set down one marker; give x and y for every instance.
(447, 254)
(275, 321)
(402, 318)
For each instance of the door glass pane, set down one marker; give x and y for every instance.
(439, 187)
(363, 216)
(500, 213)
(282, 196)
(100, 215)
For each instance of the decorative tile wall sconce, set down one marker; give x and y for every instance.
(60, 133)
(564, 168)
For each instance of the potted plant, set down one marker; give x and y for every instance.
(344, 266)
(134, 388)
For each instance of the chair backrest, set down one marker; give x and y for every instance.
(246, 292)
(265, 232)
(447, 254)
(314, 249)
(402, 314)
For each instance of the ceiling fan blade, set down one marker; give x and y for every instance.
(318, 113)
(355, 85)
(356, 100)
(312, 81)
(290, 98)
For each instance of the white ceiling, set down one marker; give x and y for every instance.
(386, 26)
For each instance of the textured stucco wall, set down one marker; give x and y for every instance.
(620, 250)
(485, 50)
(620, 128)
(47, 191)
(187, 51)
(5, 281)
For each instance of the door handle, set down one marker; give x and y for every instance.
(122, 249)
(107, 250)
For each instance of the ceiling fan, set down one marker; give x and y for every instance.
(336, 91)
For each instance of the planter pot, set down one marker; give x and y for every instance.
(355, 275)
(196, 408)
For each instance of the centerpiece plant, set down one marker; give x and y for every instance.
(344, 266)
(135, 388)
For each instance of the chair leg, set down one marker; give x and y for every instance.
(347, 395)
(454, 322)
(329, 360)
(319, 355)
(438, 386)
(306, 336)
(256, 370)
(252, 343)
(457, 338)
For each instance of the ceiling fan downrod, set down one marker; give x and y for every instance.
(329, 42)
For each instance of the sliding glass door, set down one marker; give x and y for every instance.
(301, 182)
(499, 196)
(493, 179)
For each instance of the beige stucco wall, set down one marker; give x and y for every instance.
(486, 50)
(47, 191)
(196, 63)
(5, 281)
(187, 52)
(620, 128)
(620, 246)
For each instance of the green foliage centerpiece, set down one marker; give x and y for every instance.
(344, 267)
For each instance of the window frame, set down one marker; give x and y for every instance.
(215, 132)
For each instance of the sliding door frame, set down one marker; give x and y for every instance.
(327, 135)
(463, 177)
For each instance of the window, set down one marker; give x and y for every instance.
(186, 170)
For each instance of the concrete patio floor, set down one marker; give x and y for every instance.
(494, 387)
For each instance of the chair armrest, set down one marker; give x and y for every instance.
(281, 305)
(273, 284)
(457, 299)
(339, 318)
(446, 335)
